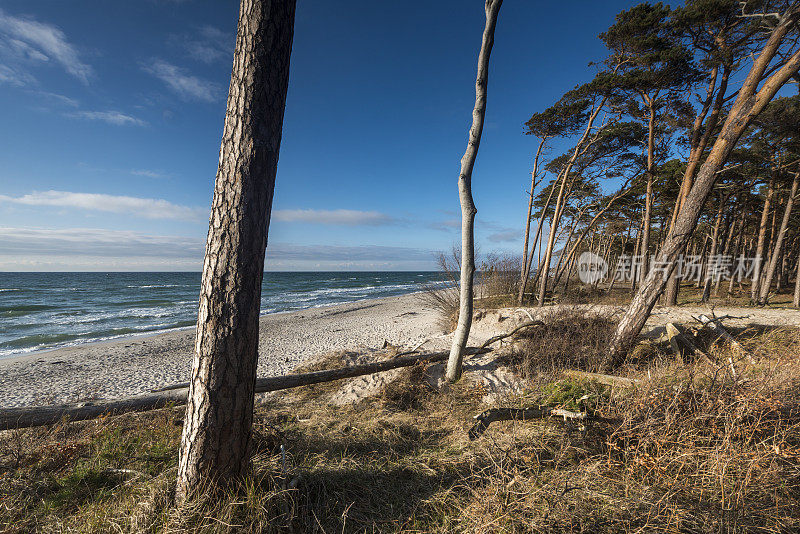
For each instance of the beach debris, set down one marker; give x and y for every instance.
(679, 340)
(716, 327)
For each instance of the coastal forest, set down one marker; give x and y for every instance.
(634, 367)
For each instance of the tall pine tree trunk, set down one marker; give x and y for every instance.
(776, 250)
(468, 210)
(713, 251)
(526, 263)
(749, 102)
(648, 199)
(762, 236)
(215, 446)
(796, 299)
(699, 142)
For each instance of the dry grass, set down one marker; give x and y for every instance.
(696, 451)
(496, 285)
(572, 338)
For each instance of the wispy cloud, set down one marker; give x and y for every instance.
(505, 236)
(150, 208)
(181, 82)
(60, 99)
(117, 118)
(446, 225)
(15, 77)
(149, 173)
(25, 41)
(207, 44)
(334, 217)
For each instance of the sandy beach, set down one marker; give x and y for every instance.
(134, 365)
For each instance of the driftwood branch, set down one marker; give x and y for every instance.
(176, 395)
(484, 419)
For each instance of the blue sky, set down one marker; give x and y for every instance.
(112, 113)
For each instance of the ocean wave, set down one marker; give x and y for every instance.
(157, 285)
(88, 309)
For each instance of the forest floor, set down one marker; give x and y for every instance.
(693, 447)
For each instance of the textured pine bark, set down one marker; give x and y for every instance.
(468, 209)
(216, 437)
(749, 103)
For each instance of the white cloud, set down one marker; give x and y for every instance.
(61, 99)
(505, 236)
(335, 217)
(150, 208)
(116, 118)
(96, 242)
(15, 77)
(25, 41)
(184, 84)
(147, 173)
(207, 44)
(445, 226)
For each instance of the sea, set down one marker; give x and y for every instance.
(42, 311)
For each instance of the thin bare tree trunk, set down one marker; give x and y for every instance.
(526, 264)
(544, 267)
(215, 446)
(468, 210)
(796, 299)
(762, 235)
(536, 245)
(648, 199)
(749, 103)
(776, 250)
(729, 244)
(713, 251)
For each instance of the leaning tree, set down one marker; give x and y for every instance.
(777, 62)
(216, 439)
(468, 209)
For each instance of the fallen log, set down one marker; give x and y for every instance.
(715, 326)
(484, 419)
(176, 395)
